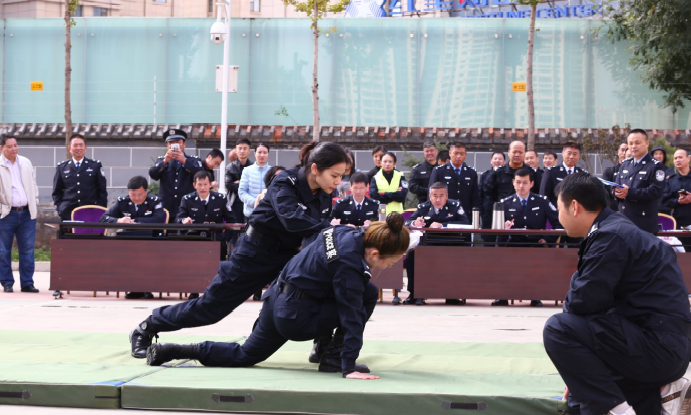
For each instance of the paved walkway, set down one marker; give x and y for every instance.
(81, 312)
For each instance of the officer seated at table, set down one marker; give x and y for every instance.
(137, 207)
(204, 206)
(438, 212)
(622, 344)
(527, 210)
(356, 209)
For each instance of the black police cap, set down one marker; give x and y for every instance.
(174, 134)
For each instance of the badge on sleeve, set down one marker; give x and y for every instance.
(461, 211)
(551, 206)
(330, 247)
(660, 175)
(404, 184)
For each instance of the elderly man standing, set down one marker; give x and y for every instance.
(176, 171)
(18, 204)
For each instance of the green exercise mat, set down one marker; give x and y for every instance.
(95, 370)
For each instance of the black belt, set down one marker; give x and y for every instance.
(266, 240)
(298, 294)
(19, 208)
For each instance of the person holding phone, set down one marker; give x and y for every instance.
(175, 171)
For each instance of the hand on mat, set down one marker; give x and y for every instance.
(566, 393)
(436, 225)
(363, 376)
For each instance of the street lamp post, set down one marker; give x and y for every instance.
(221, 32)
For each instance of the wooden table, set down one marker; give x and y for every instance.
(503, 272)
(91, 262)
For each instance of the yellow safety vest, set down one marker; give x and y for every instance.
(386, 187)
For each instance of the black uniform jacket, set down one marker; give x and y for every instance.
(72, 188)
(151, 211)
(290, 211)
(646, 183)
(624, 272)
(463, 188)
(345, 210)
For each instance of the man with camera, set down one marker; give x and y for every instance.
(175, 171)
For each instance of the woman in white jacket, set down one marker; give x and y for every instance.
(252, 179)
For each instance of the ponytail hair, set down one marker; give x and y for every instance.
(324, 155)
(389, 237)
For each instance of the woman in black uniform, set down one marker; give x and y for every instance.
(324, 287)
(296, 207)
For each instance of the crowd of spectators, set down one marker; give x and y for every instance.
(640, 186)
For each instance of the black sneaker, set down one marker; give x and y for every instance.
(8, 289)
(29, 289)
(500, 303)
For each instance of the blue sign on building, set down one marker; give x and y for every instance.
(476, 8)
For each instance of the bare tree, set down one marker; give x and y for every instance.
(529, 80)
(70, 8)
(316, 9)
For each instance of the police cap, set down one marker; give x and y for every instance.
(174, 134)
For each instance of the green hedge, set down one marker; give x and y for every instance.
(40, 254)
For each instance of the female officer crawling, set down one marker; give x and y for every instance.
(324, 287)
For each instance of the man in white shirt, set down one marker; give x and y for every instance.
(18, 204)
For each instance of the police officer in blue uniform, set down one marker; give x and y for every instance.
(459, 178)
(326, 286)
(205, 206)
(527, 210)
(78, 181)
(571, 154)
(421, 173)
(356, 209)
(438, 212)
(139, 206)
(175, 171)
(622, 343)
(296, 207)
(643, 179)
(487, 202)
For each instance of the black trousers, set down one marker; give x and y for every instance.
(606, 360)
(282, 318)
(251, 266)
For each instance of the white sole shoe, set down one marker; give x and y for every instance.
(677, 401)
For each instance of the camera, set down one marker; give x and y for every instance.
(175, 147)
(218, 33)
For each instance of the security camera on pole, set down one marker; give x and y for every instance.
(226, 79)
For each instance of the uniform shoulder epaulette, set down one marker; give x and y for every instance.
(415, 166)
(187, 196)
(440, 166)
(340, 201)
(121, 198)
(544, 197)
(455, 202)
(160, 157)
(550, 167)
(502, 201)
(221, 195)
(656, 161)
(63, 162)
(628, 159)
(153, 197)
(472, 168)
(98, 161)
